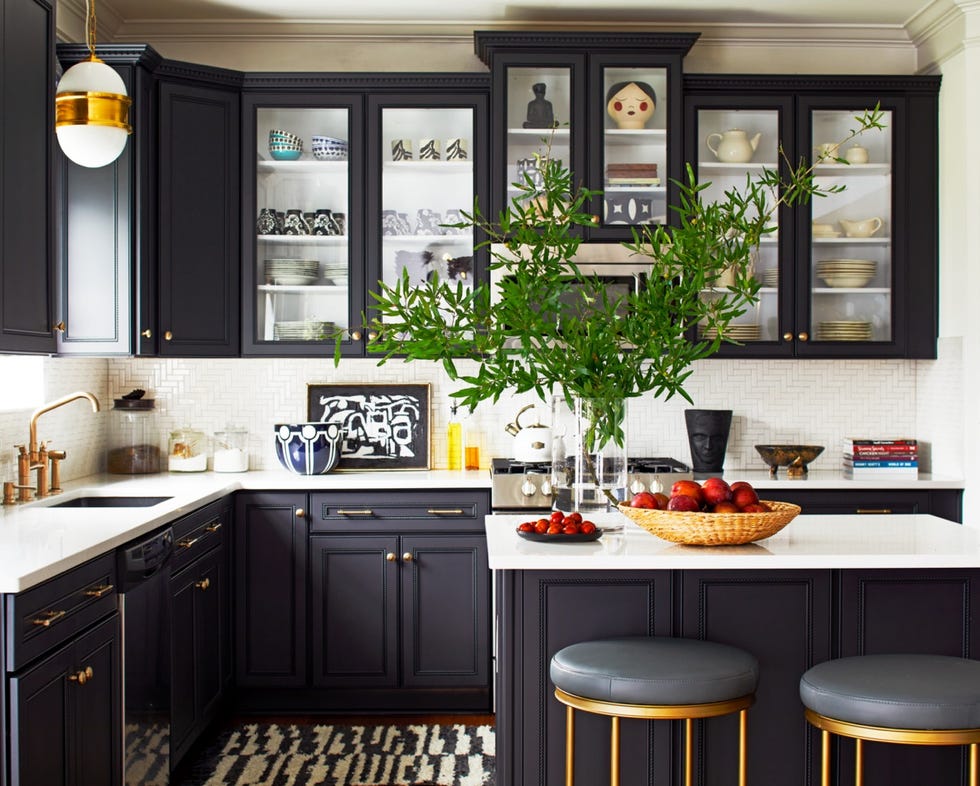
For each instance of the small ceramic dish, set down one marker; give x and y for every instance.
(285, 155)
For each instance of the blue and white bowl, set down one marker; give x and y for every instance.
(285, 155)
(308, 448)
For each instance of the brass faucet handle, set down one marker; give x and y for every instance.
(55, 457)
(9, 497)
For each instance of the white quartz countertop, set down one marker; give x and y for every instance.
(809, 541)
(39, 541)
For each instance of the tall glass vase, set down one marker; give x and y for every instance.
(588, 469)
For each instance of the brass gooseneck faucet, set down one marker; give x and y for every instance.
(36, 457)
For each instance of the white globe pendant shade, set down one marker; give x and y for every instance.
(92, 114)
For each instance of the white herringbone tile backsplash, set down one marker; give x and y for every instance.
(815, 402)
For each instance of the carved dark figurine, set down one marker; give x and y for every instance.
(540, 113)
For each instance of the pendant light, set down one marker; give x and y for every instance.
(92, 107)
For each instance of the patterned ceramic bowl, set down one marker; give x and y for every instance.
(308, 448)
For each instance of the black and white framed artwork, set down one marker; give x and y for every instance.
(385, 426)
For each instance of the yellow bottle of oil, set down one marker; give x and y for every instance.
(454, 439)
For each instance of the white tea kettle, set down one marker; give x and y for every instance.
(531, 443)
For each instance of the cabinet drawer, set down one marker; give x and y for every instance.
(47, 615)
(378, 510)
(200, 531)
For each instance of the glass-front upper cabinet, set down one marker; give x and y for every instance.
(854, 272)
(432, 151)
(303, 277)
(605, 105)
(732, 146)
(851, 254)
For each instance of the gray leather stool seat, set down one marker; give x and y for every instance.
(912, 699)
(653, 678)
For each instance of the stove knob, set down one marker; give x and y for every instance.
(546, 487)
(528, 488)
(657, 486)
(637, 486)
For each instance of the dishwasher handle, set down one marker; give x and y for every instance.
(142, 559)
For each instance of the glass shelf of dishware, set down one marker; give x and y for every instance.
(635, 146)
(759, 322)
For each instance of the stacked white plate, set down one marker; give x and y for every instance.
(748, 332)
(292, 271)
(335, 272)
(839, 273)
(770, 278)
(844, 330)
(306, 330)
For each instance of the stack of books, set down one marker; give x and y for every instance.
(880, 458)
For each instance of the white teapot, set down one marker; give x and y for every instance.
(734, 146)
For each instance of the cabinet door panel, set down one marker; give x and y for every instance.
(39, 733)
(97, 707)
(445, 592)
(784, 619)
(184, 658)
(26, 183)
(270, 589)
(355, 610)
(199, 238)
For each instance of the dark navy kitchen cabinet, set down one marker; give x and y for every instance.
(270, 590)
(27, 139)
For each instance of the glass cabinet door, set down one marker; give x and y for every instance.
(634, 107)
(851, 254)
(539, 122)
(427, 181)
(732, 145)
(303, 215)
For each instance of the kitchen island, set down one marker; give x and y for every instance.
(824, 587)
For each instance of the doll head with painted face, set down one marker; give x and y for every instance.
(631, 104)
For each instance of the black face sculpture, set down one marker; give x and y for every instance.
(707, 434)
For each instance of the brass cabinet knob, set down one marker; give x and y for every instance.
(407, 556)
(300, 513)
(60, 326)
(390, 557)
(203, 584)
(803, 336)
(168, 336)
(83, 676)
(146, 333)
(372, 335)
(356, 335)
(787, 336)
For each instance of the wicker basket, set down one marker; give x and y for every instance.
(713, 529)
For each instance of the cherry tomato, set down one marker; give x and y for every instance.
(527, 526)
(575, 517)
(541, 526)
(587, 528)
(571, 529)
(554, 529)
(556, 517)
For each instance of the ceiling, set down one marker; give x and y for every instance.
(478, 14)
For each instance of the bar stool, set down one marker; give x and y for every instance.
(910, 699)
(653, 678)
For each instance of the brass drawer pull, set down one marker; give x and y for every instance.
(213, 527)
(203, 584)
(450, 512)
(873, 510)
(342, 512)
(186, 544)
(98, 592)
(47, 618)
(83, 676)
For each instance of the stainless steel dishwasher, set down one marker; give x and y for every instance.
(144, 571)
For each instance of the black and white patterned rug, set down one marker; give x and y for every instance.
(336, 755)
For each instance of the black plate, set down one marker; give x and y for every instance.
(539, 537)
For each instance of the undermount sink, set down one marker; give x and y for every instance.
(110, 502)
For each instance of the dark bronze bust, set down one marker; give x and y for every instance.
(707, 434)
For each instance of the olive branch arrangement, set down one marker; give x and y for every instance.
(600, 347)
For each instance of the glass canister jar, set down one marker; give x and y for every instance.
(134, 436)
(230, 450)
(188, 451)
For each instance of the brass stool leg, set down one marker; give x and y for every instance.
(614, 753)
(973, 764)
(569, 746)
(688, 752)
(858, 762)
(742, 728)
(825, 758)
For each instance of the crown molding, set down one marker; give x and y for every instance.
(70, 21)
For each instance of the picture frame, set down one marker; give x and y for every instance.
(386, 426)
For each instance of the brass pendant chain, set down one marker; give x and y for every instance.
(90, 27)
